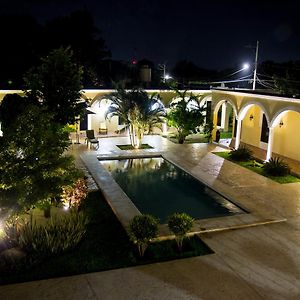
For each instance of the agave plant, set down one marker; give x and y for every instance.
(276, 167)
(241, 154)
(139, 111)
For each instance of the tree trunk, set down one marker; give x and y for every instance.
(181, 138)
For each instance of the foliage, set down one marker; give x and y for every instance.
(180, 224)
(143, 228)
(257, 167)
(78, 31)
(12, 106)
(276, 167)
(186, 115)
(138, 110)
(55, 237)
(72, 195)
(241, 154)
(105, 246)
(32, 165)
(287, 85)
(56, 84)
(208, 128)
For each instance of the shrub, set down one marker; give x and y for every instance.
(143, 228)
(180, 224)
(241, 154)
(56, 236)
(276, 167)
(73, 194)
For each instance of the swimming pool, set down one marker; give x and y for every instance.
(160, 188)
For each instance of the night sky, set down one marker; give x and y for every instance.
(212, 35)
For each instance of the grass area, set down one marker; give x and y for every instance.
(226, 135)
(256, 167)
(130, 147)
(105, 246)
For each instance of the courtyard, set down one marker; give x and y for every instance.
(256, 255)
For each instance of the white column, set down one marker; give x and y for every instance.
(238, 134)
(223, 116)
(270, 143)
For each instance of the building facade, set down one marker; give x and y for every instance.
(267, 122)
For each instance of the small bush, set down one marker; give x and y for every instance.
(276, 167)
(57, 236)
(180, 224)
(143, 228)
(73, 194)
(241, 154)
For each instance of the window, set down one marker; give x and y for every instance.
(264, 137)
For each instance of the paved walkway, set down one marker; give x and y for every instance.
(260, 262)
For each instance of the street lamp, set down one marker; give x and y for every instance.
(246, 66)
(167, 77)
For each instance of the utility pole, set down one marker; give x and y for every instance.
(162, 67)
(255, 66)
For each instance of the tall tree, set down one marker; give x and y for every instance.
(33, 168)
(20, 36)
(78, 31)
(56, 84)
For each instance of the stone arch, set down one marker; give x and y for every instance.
(205, 99)
(220, 102)
(244, 109)
(278, 115)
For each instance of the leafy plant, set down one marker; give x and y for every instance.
(180, 224)
(241, 154)
(143, 228)
(138, 110)
(186, 115)
(72, 195)
(56, 236)
(276, 167)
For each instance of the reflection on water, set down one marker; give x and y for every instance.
(160, 188)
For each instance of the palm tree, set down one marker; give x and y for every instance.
(186, 115)
(139, 111)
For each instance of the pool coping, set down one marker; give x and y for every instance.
(125, 210)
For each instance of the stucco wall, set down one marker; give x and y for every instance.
(286, 138)
(251, 129)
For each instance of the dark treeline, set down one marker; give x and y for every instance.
(25, 41)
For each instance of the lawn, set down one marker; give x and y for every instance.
(256, 167)
(105, 246)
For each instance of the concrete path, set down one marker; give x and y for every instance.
(254, 263)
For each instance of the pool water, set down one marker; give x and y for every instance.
(160, 188)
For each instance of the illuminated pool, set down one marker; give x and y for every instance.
(160, 188)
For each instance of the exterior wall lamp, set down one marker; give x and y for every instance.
(251, 117)
(281, 123)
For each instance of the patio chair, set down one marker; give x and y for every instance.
(103, 128)
(90, 138)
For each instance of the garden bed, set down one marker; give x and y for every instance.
(105, 246)
(256, 166)
(130, 147)
(190, 139)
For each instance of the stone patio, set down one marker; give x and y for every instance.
(261, 262)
